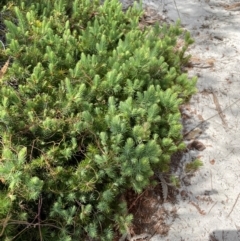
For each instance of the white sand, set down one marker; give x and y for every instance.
(211, 210)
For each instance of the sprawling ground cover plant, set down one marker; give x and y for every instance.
(89, 108)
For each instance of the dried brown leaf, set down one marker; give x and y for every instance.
(4, 68)
(198, 145)
(212, 162)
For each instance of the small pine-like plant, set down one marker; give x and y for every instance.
(193, 166)
(89, 108)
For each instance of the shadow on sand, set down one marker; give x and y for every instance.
(225, 235)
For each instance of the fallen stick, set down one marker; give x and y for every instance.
(233, 205)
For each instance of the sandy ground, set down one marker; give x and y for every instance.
(208, 203)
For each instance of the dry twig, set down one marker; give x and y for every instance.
(233, 205)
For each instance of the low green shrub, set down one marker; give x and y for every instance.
(89, 108)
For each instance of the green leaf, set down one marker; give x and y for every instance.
(22, 155)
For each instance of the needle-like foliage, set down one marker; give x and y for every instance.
(89, 108)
